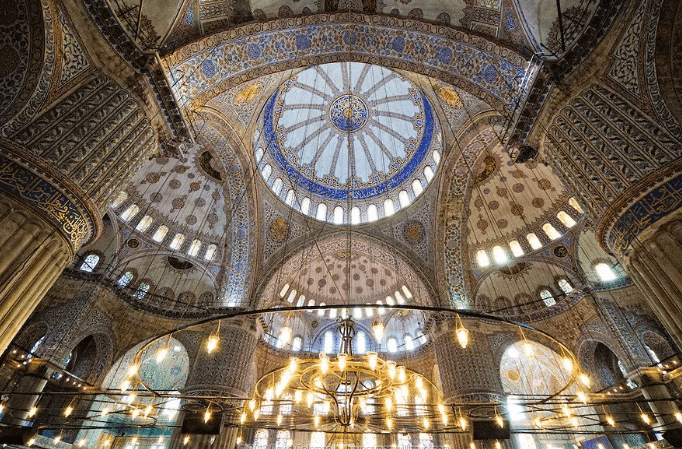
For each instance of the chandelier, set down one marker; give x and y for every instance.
(348, 392)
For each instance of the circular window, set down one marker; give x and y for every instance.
(348, 142)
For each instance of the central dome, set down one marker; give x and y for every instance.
(345, 133)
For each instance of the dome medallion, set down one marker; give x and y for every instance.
(344, 131)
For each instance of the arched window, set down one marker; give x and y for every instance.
(129, 213)
(160, 233)
(392, 344)
(652, 354)
(277, 186)
(357, 314)
(355, 215)
(409, 343)
(283, 438)
(328, 342)
(142, 290)
(125, 279)
(194, 248)
(317, 440)
(516, 249)
(291, 296)
(547, 298)
(369, 440)
(332, 314)
(482, 258)
(389, 208)
(144, 224)
(417, 187)
(574, 204)
(297, 343)
(291, 197)
(404, 198)
(210, 252)
(360, 341)
(90, 262)
(500, 255)
(177, 241)
(390, 301)
(551, 231)
(605, 272)
(259, 155)
(425, 441)
(119, 199)
(534, 241)
(565, 286)
(372, 214)
(408, 293)
(566, 219)
(266, 172)
(260, 440)
(404, 441)
(301, 301)
(428, 173)
(321, 311)
(305, 206)
(399, 298)
(321, 212)
(436, 156)
(338, 215)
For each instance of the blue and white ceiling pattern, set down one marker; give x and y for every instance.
(347, 135)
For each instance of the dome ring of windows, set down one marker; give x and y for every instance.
(348, 132)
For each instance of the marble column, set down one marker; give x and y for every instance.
(657, 395)
(469, 376)
(228, 371)
(655, 265)
(34, 253)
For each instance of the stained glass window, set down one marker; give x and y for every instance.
(260, 440)
(90, 262)
(129, 213)
(142, 290)
(547, 298)
(565, 286)
(125, 279)
(282, 440)
(605, 272)
(144, 224)
(160, 234)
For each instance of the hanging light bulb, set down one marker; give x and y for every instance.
(68, 410)
(463, 422)
(342, 361)
(389, 423)
(293, 365)
(678, 416)
(402, 375)
(584, 379)
(269, 394)
(105, 411)
(133, 369)
(147, 410)
(499, 420)
(462, 337)
(31, 442)
(472, 445)
(441, 409)
(426, 424)
(239, 439)
(212, 343)
(372, 360)
(160, 440)
(498, 445)
(538, 422)
(298, 395)
(444, 418)
(242, 418)
(309, 398)
(252, 404)
(324, 363)
(528, 348)
(390, 368)
(81, 442)
(285, 335)
(32, 412)
(389, 404)
(582, 397)
(645, 418)
(316, 420)
(279, 419)
(207, 414)
(125, 385)
(161, 354)
(568, 364)
(419, 383)
(2, 407)
(610, 421)
(378, 329)
(574, 421)
(58, 438)
(256, 415)
(185, 440)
